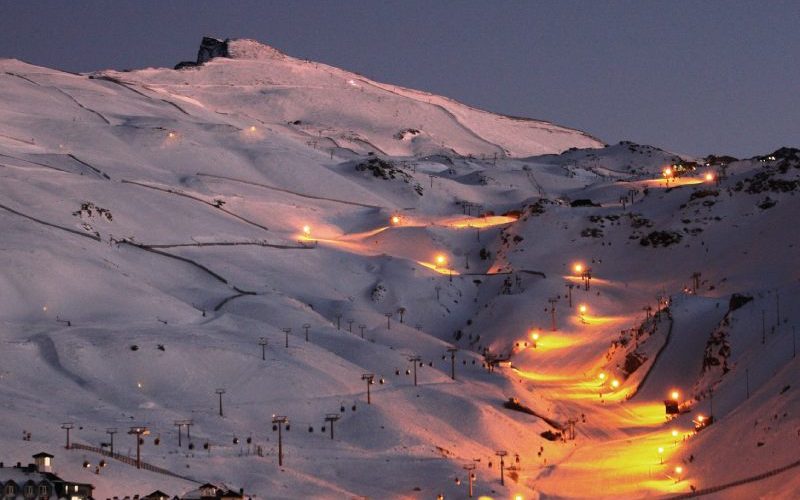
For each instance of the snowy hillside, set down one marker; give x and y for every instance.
(282, 229)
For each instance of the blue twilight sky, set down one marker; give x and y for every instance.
(692, 77)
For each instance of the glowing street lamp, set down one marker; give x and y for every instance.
(395, 219)
(578, 268)
(675, 395)
(307, 230)
(441, 260)
(667, 172)
(661, 454)
(582, 309)
(535, 338)
(615, 383)
(709, 177)
(602, 377)
(678, 473)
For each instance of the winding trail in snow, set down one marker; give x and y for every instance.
(302, 195)
(195, 198)
(49, 353)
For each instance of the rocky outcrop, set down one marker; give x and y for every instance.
(209, 48)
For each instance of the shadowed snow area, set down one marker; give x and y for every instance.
(248, 225)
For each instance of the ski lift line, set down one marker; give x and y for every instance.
(295, 193)
(186, 195)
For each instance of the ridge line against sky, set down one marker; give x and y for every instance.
(714, 77)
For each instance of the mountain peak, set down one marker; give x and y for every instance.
(212, 47)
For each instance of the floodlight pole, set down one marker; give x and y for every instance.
(306, 326)
(361, 327)
(263, 343)
(388, 320)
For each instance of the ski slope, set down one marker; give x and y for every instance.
(157, 224)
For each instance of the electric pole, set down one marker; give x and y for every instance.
(570, 286)
(338, 321)
(470, 476)
(361, 327)
(179, 424)
(67, 426)
(388, 320)
(370, 378)
(350, 325)
(306, 326)
(286, 332)
(332, 417)
(501, 454)
(415, 360)
(139, 432)
(452, 351)
(220, 392)
(277, 422)
(111, 431)
(263, 343)
(552, 301)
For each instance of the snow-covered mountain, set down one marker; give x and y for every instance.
(159, 225)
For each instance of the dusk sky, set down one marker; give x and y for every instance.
(690, 77)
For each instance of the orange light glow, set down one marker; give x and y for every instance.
(602, 376)
(252, 128)
(709, 177)
(660, 450)
(171, 135)
(675, 395)
(441, 260)
(535, 336)
(578, 268)
(674, 433)
(306, 229)
(479, 222)
(395, 220)
(615, 383)
(583, 308)
(667, 172)
(678, 469)
(701, 418)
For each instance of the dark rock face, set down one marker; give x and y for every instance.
(209, 49)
